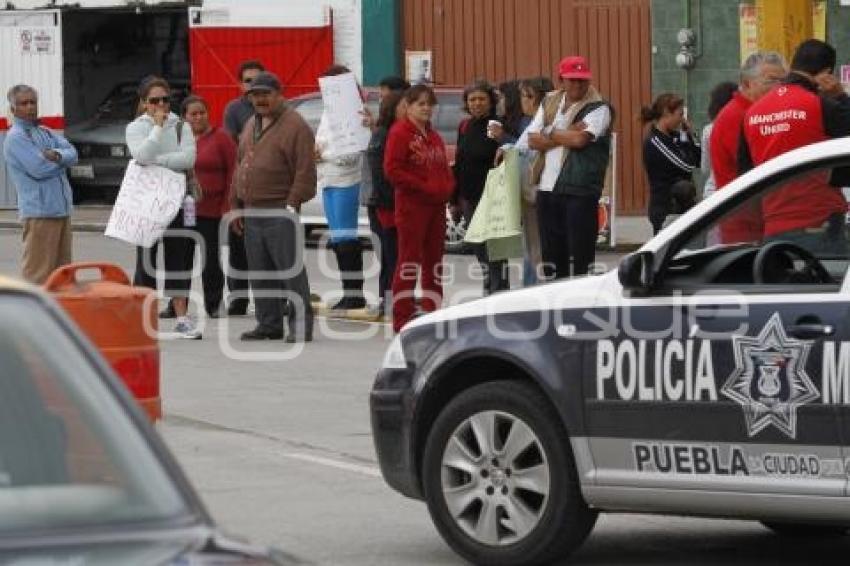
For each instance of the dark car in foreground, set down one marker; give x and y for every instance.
(101, 141)
(708, 376)
(84, 478)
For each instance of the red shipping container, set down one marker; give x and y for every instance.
(296, 55)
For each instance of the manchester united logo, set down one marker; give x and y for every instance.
(770, 380)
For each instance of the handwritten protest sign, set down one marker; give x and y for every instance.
(497, 217)
(342, 107)
(149, 199)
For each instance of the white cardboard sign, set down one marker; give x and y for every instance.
(149, 199)
(342, 108)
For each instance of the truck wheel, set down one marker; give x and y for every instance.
(500, 479)
(804, 530)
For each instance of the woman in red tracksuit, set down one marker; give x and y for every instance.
(415, 163)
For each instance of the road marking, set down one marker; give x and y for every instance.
(338, 464)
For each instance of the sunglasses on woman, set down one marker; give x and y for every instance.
(158, 99)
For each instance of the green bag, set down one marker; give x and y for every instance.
(497, 219)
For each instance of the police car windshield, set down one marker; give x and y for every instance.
(808, 209)
(806, 213)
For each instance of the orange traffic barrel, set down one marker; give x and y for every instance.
(120, 320)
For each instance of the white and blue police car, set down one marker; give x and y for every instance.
(709, 375)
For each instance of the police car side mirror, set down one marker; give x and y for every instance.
(635, 272)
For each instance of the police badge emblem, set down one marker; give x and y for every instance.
(770, 380)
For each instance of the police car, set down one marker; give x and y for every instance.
(709, 375)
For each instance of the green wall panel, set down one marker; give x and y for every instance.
(838, 31)
(382, 41)
(716, 25)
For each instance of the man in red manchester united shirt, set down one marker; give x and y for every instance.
(808, 107)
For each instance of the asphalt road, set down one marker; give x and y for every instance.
(280, 449)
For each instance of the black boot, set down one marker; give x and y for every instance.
(168, 311)
(497, 277)
(349, 257)
(238, 307)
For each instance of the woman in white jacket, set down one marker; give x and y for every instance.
(153, 139)
(339, 179)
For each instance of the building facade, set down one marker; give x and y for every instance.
(632, 46)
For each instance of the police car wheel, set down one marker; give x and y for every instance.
(801, 530)
(500, 479)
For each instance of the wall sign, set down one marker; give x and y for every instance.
(419, 68)
(36, 41)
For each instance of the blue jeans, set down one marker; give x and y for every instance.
(341, 207)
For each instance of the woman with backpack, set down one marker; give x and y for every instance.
(159, 137)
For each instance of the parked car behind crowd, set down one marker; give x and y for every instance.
(103, 153)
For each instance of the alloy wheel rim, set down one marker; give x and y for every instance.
(495, 478)
(455, 231)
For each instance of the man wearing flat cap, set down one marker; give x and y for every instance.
(572, 132)
(276, 174)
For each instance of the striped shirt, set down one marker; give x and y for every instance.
(668, 159)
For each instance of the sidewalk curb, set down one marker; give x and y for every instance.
(356, 315)
(100, 227)
(95, 227)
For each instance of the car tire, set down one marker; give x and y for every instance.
(536, 485)
(806, 530)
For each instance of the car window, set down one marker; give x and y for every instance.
(69, 455)
(793, 232)
(448, 115)
(311, 110)
(122, 102)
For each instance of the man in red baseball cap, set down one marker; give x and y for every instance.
(572, 132)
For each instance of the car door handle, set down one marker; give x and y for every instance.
(808, 331)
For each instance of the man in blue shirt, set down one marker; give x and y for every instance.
(37, 160)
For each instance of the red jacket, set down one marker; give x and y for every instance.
(725, 136)
(415, 163)
(746, 224)
(788, 117)
(214, 165)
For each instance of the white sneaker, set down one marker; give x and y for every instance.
(186, 329)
